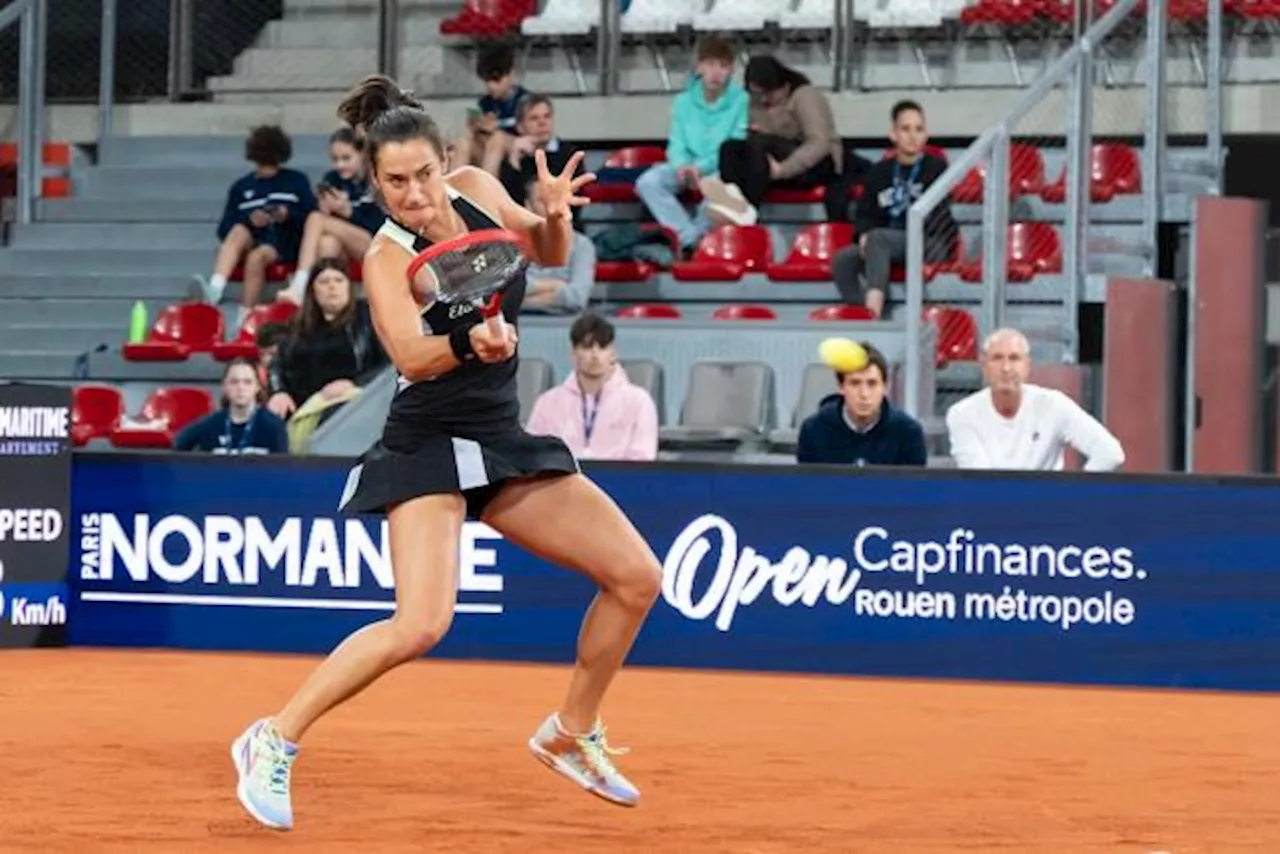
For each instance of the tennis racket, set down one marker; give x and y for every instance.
(476, 268)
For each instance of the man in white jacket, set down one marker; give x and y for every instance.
(1014, 425)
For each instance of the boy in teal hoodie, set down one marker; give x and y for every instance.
(711, 110)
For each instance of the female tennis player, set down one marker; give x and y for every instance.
(452, 448)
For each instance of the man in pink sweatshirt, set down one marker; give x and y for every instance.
(597, 411)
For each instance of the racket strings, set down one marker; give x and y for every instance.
(476, 271)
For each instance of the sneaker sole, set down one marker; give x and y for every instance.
(242, 791)
(564, 770)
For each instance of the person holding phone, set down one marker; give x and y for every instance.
(491, 123)
(452, 448)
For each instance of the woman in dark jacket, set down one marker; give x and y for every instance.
(331, 350)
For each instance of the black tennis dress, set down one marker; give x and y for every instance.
(459, 431)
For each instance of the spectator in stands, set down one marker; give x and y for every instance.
(560, 290)
(491, 125)
(348, 214)
(536, 126)
(268, 340)
(858, 426)
(597, 411)
(240, 426)
(1015, 425)
(710, 111)
(331, 352)
(263, 218)
(791, 142)
(862, 271)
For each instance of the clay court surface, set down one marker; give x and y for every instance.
(121, 751)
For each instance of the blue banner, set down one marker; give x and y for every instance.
(1169, 582)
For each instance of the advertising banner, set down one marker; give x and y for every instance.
(35, 511)
(1169, 582)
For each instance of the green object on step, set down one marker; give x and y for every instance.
(138, 323)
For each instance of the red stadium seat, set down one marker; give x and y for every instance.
(624, 271)
(1034, 249)
(616, 178)
(957, 334)
(744, 311)
(277, 272)
(999, 13)
(726, 253)
(487, 18)
(245, 346)
(179, 331)
(842, 312)
(55, 167)
(809, 259)
(1026, 176)
(1114, 170)
(794, 195)
(95, 411)
(648, 311)
(167, 411)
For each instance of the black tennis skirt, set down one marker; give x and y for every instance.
(443, 464)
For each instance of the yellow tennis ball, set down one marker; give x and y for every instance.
(843, 355)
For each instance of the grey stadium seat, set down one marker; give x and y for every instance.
(818, 382)
(726, 405)
(533, 377)
(647, 374)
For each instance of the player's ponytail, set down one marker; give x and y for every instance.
(382, 112)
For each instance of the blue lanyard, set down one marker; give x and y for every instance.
(248, 429)
(589, 413)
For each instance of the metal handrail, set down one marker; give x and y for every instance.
(29, 15)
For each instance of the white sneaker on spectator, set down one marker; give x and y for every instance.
(206, 290)
(725, 203)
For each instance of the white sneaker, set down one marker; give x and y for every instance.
(264, 764)
(725, 202)
(584, 759)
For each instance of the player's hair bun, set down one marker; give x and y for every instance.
(371, 97)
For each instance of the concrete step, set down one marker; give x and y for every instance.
(114, 313)
(179, 263)
(16, 365)
(79, 236)
(61, 337)
(216, 151)
(175, 182)
(353, 31)
(124, 287)
(328, 62)
(90, 209)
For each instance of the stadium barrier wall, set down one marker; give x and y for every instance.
(1167, 581)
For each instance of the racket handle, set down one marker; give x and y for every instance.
(497, 325)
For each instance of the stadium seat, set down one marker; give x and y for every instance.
(738, 16)
(563, 18)
(795, 195)
(179, 331)
(1114, 170)
(725, 404)
(647, 374)
(245, 346)
(95, 411)
(744, 311)
(809, 259)
(55, 167)
(648, 311)
(624, 271)
(1034, 249)
(616, 178)
(726, 253)
(487, 18)
(163, 416)
(842, 312)
(999, 13)
(656, 17)
(1026, 176)
(276, 272)
(957, 334)
(809, 15)
(817, 382)
(533, 377)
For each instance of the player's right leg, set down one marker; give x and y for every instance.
(424, 546)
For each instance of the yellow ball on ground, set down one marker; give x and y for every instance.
(843, 355)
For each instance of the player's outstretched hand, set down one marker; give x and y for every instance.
(559, 193)
(493, 348)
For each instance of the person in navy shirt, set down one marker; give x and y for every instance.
(348, 214)
(858, 426)
(491, 124)
(263, 218)
(241, 426)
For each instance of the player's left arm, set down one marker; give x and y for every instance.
(550, 237)
(1101, 449)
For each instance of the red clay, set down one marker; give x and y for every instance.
(118, 751)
